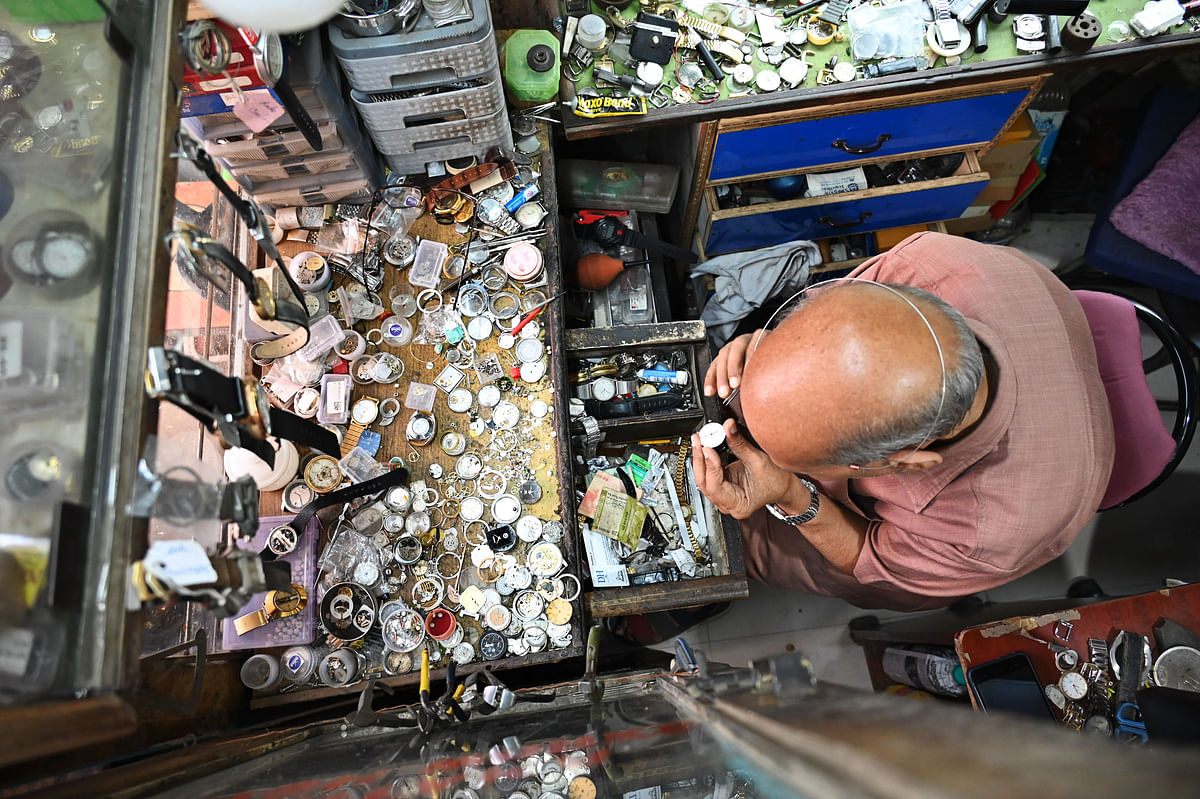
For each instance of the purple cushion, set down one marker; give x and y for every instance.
(1157, 213)
(1143, 443)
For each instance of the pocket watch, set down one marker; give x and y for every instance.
(276, 605)
(323, 474)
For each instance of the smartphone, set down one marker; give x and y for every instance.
(1009, 685)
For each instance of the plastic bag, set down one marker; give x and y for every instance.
(895, 31)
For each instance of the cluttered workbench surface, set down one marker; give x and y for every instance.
(457, 387)
(673, 62)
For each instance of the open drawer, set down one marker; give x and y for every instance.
(748, 227)
(654, 584)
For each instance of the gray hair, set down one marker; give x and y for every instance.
(879, 438)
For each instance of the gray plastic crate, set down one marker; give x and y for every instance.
(424, 57)
(411, 150)
(386, 116)
(252, 173)
(238, 147)
(352, 185)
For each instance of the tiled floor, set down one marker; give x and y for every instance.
(1128, 550)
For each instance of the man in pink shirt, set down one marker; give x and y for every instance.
(918, 441)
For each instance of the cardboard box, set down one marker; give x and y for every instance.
(1020, 130)
(1009, 160)
(997, 190)
(976, 217)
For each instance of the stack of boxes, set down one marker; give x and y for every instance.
(277, 166)
(428, 94)
(1005, 163)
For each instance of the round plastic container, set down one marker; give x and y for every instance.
(299, 663)
(531, 66)
(310, 271)
(261, 673)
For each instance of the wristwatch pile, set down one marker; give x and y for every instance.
(626, 385)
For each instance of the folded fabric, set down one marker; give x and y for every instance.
(746, 280)
(1159, 212)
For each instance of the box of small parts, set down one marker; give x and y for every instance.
(653, 542)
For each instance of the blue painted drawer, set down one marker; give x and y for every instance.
(886, 132)
(789, 221)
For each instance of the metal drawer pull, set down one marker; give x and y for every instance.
(828, 221)
(840, 144)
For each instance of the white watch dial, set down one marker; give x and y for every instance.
(603, 389)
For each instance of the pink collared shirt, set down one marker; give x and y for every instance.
(1013, 492)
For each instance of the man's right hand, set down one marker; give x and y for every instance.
(725, 372)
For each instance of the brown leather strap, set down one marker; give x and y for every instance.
(508, 171)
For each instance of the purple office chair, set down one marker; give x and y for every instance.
(1147, 452)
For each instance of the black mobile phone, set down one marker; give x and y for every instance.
(1009, 684)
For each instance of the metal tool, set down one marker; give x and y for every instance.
(1128, 716)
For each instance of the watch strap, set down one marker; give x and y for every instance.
(299, 114)
(454, 183)
(305, 432)
(814, 507)
(342, 496)
(632, 238)
(350, 440)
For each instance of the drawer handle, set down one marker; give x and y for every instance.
(840, 144)
(828, 221)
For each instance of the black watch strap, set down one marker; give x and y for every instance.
(343, 495)
(632, 238)
(305, 432)
(299, 114)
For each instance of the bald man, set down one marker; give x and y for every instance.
(917, 441)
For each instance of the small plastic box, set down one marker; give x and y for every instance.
(427, 264)
(335, 399)
(359, 466)
(323, 335)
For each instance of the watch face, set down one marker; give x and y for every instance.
(1056, 696)
(604, 389)
(323, 473)
(506, 415)
(365, 411)
(1073, 685)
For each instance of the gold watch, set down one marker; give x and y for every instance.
(362, 414)
(276, 605)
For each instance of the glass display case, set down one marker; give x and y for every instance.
(83, 156)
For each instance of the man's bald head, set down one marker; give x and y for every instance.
(853, 375)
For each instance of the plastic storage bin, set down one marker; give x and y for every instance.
(617, 186)
(422, 58)
(410, 152)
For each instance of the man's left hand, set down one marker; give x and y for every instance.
(740, 488)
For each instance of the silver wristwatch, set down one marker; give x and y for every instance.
(814, 507)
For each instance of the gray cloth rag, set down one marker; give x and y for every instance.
(747, 280)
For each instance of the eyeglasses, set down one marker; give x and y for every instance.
(733, 401)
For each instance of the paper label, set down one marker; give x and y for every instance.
(600, 481)
(820, 184)
(180, 561)
(637, 467)
(10, 349)
(619, 516)
(16, 647)
(258, 110)
(606, 569)
(645, 793)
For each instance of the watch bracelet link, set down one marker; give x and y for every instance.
(814, 507)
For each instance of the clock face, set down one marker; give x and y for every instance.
(1074, 685)
(506, 415)
(582, 788)
(323, 473)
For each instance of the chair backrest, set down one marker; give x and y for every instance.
(1146, 450)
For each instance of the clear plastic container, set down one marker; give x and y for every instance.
(630, 297)
(335, 399)
(427, 265)
(617, 186)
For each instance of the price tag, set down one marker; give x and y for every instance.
(10, 349)
(16, 647)
(182, 562)
(258, 110)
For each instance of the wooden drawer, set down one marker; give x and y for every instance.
(773, 143)
(728, 580)
(766, 224)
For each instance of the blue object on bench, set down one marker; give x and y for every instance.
(1168, 111)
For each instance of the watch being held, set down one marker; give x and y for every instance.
(814, 506)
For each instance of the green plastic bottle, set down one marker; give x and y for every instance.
(531, 67)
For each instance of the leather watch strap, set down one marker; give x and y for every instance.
(632, 238)
(342, 496)
(295, 109)
(508, 170)
(302, 431)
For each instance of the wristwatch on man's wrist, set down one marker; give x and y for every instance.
(814, 507)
